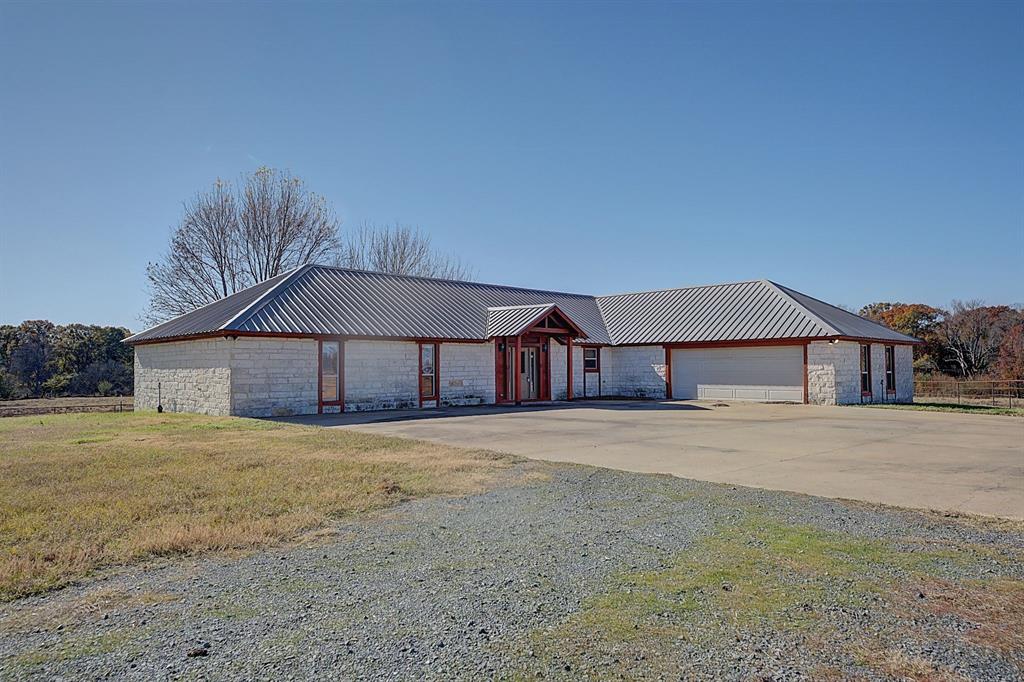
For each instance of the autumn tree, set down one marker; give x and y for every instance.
(914, 319)
(1009, 363)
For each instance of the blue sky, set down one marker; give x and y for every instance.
(855, 151)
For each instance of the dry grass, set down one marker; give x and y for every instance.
(82, 491)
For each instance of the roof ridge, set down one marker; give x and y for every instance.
(449, 281)
(520, 307)
(263, 298)
(784, 292)
(692, 286)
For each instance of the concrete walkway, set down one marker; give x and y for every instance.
(944, 461)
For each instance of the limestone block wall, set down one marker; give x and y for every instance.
(381, 375)
(633, 371)
(273, 377)
(467, 373)
(184, 376)
(905, 374)
(556, 358)
(833, 373)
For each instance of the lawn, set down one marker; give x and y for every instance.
(949, 407)
(83, 491)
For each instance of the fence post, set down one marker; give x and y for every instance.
(958, 393)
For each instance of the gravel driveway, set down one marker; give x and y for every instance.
(563, 571)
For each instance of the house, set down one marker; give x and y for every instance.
(326, 339)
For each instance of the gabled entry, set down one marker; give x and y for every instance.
(523, 336)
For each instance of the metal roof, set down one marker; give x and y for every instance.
(511, 320)
(316, 299)
(744, 311)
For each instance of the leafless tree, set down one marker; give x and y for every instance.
(399, 250)
(971, 334)
(231, 238)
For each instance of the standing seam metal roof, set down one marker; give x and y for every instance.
(315, 299)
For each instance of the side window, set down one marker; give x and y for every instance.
(865, 369)
(890, 369)
(428, 371)
(330, 365)
(590, 361)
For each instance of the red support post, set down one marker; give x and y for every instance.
(519, 369)
(568, 367)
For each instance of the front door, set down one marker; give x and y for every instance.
(530, 359)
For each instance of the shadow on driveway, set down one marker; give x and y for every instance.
(382, 416)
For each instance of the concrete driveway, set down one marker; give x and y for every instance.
(945, 461)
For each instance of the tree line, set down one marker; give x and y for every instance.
(970, 340)
(39, 358)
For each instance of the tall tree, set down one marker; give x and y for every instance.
(400, 250)
(232, 237)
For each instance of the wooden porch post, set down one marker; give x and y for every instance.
(519, 370)
(568, 367)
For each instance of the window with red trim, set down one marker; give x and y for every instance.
(428, 371)
(591, 361)
(890, 369)
(330, 371)
(865, 369)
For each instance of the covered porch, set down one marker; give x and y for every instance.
(523, 338)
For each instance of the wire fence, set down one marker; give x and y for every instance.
(21, 408)
(998, 393)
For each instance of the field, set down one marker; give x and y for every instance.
(82, 491)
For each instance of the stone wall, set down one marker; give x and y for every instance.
(833, 373)
(381, 375)
(556, 358)
(273, 377)
(184, 376)
(633, 372)
(467, 373)
(905, 374)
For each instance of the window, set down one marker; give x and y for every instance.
(865, 369)
(428, 371)
(590, 359)
(890, 369)
(330, 365)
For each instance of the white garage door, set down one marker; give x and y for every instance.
(764, 373)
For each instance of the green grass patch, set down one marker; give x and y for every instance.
(758, 574)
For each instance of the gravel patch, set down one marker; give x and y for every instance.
(488, 585)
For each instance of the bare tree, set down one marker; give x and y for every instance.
(230, 239)
(399, 250)
(972, 333)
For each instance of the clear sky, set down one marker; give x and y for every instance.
(855, 151)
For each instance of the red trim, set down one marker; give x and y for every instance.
(668, 373)
(807, 396)
(518, 378)
(319, 377)
(568, 368)
(580, 334)
(584, 349)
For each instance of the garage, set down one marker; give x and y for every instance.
(758, 373)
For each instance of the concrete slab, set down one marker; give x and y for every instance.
(944, 461)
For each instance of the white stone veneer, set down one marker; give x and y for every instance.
(184, 376)
(467, 373)
(833, 373)
(381, 375)
(633, 372)
(273, 377)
